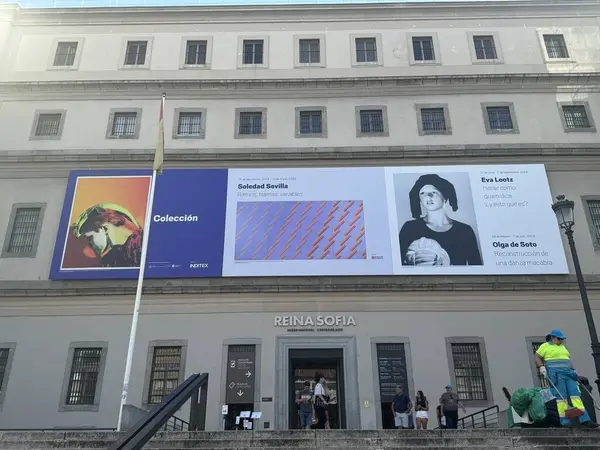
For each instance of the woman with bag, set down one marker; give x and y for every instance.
(422, 408)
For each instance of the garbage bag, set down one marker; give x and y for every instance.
(530, 400)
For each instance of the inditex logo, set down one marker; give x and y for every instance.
(198, 265)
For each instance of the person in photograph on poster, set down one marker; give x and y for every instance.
(435, 236)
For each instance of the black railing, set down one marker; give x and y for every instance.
(486, 418)
(176, 424)
(195, 388)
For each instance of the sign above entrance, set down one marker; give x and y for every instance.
(314, 323)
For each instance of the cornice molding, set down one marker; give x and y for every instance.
(308, 13)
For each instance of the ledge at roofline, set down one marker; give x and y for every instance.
(316, 87)
(297, 285)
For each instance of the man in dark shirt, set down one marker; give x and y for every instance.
(401, 408)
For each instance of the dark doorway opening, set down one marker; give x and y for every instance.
(304, 365)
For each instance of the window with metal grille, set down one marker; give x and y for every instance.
(485, 48)
(499, 118)
(423, 49)
(164, 373)
(65, 54)
(311, 122)
(190, 124)
(371, 121)
(250, 123)
(310, 51)
(433, 119)
(576, 116)
(3, 363)
(135, 54)
(22, 236)
(253, 52)
(468, 372)
(48, 124)
(556, 46)
(124, 124)
(366, 50)
(542, 380)
(195, 53)
(84, 376)
(593, 207)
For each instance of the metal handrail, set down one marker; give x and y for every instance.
(481, 419)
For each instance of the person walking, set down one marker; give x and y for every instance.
(304, 400)
(554, 362)
(421, 408)
(449, 404)
(401, 408)
(320, 402)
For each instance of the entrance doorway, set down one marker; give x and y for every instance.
(304, 365)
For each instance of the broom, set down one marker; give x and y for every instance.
(571, 412)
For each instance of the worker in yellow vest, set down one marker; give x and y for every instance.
(554, 362)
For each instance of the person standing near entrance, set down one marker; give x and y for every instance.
(422, 408)
(305, 403)
(449, 404)
(401, 408)
(320, 402)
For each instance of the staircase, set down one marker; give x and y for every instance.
(515, 439)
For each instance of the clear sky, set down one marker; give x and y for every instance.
(98, 3)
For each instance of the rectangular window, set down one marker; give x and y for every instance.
(250, 123)
(48, 124)
(124, 124)
(4, 352)
(253, 52)
(164, 372)
(423, 49)
(485, 48)
(190, 124)
(575, 116)
(433, 119)
(65, 54)
(371, 121)
(468, 372)
(24, 231)
(366, 50)
(311, 122)
(83, 379)
(195, 53)
(593, 209)
(499, 118)
(556, 48)
(542, 380)
(310, 51)
(135, 55)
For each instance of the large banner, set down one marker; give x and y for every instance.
(448, 220)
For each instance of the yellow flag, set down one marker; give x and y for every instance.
(159, 156)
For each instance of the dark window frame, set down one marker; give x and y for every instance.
(438, 107)
(136, 55)
(555, 46)
(152, 345)
(197, 43)
(592, 215)
(69, 55)
(116, 112)
(363, 54)
(313, 55)
(582, 106)
(239, 117)
(10, 348)
(481, 51)
(250, 55)
(488, 121)
(419, 50)
(6, 253)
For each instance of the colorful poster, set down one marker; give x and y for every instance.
(449, 220)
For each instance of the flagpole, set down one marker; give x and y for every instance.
(138, 293)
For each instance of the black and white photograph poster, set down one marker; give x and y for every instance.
(472, 220)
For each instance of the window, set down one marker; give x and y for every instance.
(499, 118)
(468, 371)
(423, 49)
(24, 228)
(165, 373)
(485, 48)
(7, 351)
(310, 51)
(556, 48)
(195, 53)
(83, 380)
(124, 124)
(371, 121)
(3, 363)
(47, 125)
(251, 123)
(253, 52)
(576, 116)
(135, 55)
(310, 122)
(189, 123)
(366, 50)
(65, 54)
(592, 212)
(543, 382)
(433, 119)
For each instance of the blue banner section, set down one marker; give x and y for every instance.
(103, 223)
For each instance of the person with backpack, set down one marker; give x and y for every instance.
(304, 400)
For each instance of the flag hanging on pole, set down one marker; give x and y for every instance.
(159, 156)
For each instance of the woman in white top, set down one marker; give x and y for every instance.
(422, 408)
(320, 402)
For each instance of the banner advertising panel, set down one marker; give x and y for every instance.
(447, 220)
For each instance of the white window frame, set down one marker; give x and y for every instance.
(182, 54)
(126, 40)
(541, 32)
(77, 61)
(354, 37)
(300, 37)
(436, 49)
(471, 35)
(265, 63)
